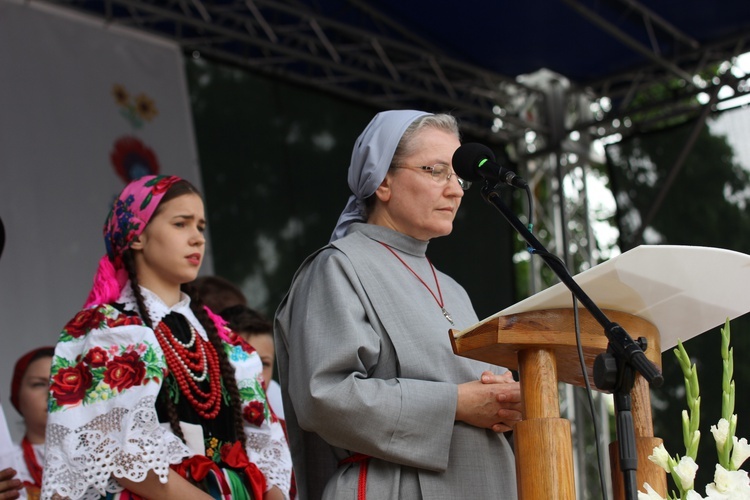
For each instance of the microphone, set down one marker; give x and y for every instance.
(473, 161)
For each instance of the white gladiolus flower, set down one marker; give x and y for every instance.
(650, 493)
(740, 452)
(720, 432)
(686, 470)
(660, 457)
(728, 484)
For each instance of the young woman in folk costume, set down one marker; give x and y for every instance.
(151, 395)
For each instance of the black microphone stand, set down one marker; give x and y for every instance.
(613, 370)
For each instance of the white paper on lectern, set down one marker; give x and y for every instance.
(683, 290)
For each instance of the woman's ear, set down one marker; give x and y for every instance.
(136, 243)
(383, 192)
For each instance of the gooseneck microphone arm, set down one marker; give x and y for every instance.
(624, 344)
(624, 354)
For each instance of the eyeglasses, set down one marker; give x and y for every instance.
(442, 174)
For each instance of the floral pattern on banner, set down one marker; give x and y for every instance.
(100, 374)
(130, 156)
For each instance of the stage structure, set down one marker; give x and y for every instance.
(385, 54)
(388, 54)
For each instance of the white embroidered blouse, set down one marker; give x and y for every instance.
(106, 374)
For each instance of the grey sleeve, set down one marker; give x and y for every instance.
(342, 374)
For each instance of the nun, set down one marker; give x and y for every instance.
(377, 404)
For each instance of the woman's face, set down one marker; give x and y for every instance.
(410, 200)
(33, 394)
(170, 250)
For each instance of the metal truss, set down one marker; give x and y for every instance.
(691, 68)
(386, 67)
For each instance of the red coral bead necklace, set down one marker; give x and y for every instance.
(192, 367)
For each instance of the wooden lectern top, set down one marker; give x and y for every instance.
(682, 290)
(663, 293)
(499, 340)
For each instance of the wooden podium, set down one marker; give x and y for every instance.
(541, 346)
(661, 293)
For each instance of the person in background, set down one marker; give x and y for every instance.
(218, 293)
(10, 486)
(29, 395)
(150, 394)
(258, 332)
(377, 404)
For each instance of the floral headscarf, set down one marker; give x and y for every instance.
(128, 218)
(371, 158)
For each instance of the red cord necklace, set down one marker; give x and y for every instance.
(35, 470)
(193, 367)
(439, 301)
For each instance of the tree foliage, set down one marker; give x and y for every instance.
(706, 206)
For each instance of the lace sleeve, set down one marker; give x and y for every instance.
(266, 443)
(102, 424)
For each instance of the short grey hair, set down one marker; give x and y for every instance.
(443, 121)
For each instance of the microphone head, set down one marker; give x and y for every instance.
(467, 158)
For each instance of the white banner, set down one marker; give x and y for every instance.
(83, 107)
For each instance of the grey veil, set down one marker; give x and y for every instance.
(371, 158)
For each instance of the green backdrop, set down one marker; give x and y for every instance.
(274, 159)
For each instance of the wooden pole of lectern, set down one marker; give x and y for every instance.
(541, 346)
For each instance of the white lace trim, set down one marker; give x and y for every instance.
(271, 455)
(125, 442)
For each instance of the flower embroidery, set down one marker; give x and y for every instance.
(94, 318)
(233, 342)
(123, 320)
(82, 323)
(125, 371)
(237, 354)
(100, 374)
(254, 413)
(96, 357)
(256, 408)
(69, 385)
